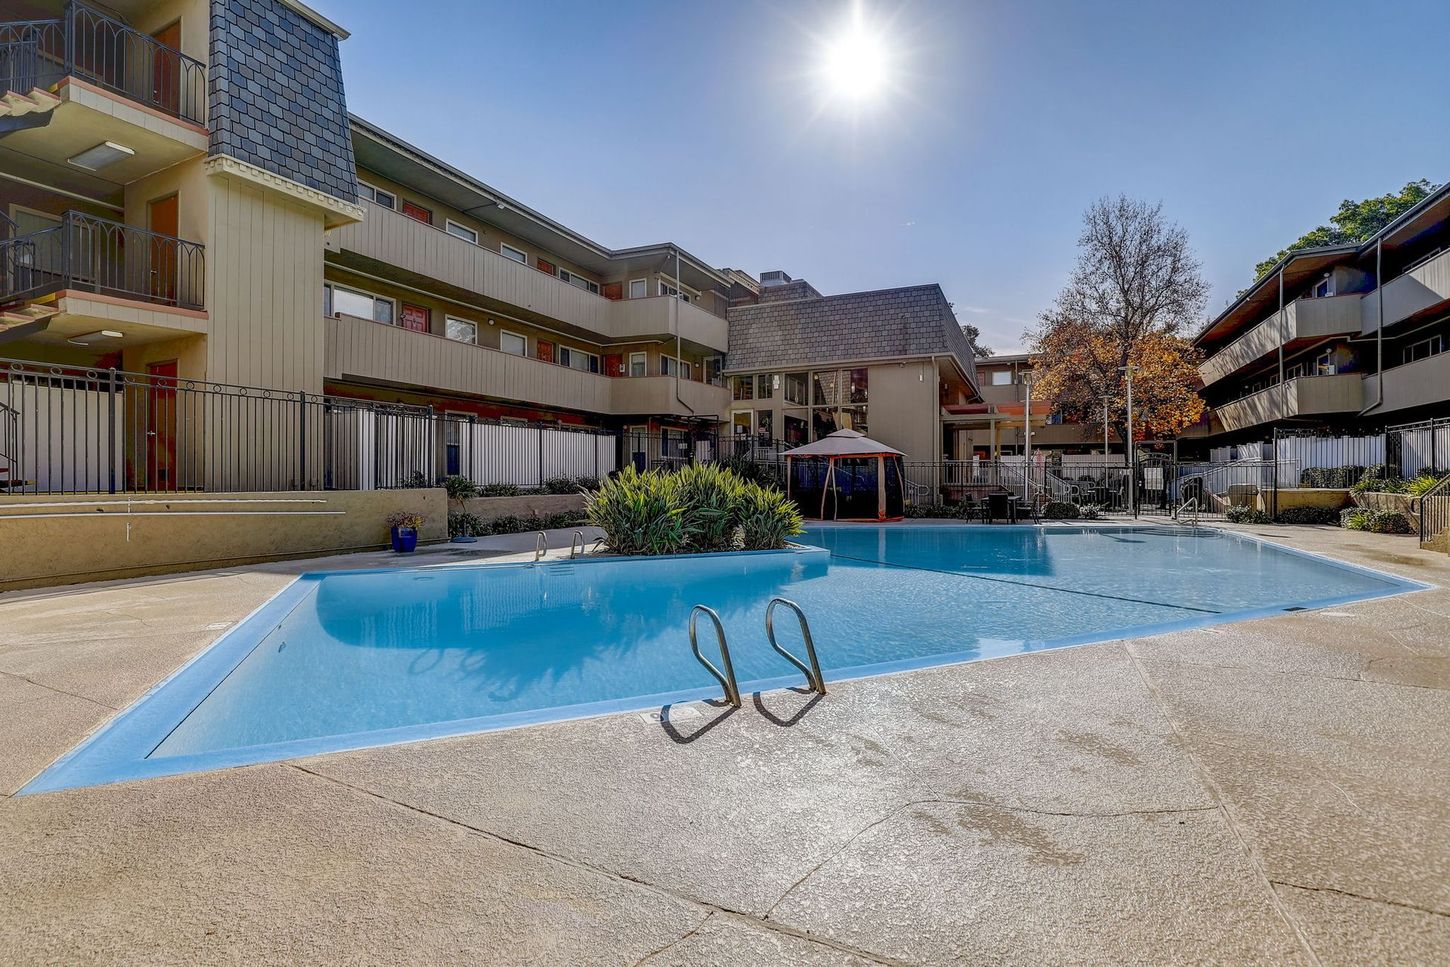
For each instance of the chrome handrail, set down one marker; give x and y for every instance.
(812, 673)
(541, 546)
(1191, 504)
(727, 678)
(577, 541)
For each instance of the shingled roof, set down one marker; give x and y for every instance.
(912, 321)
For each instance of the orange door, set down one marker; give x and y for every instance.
(414, 317)
(166, 69)
(419, 212)
(161, 218)
(161, 426)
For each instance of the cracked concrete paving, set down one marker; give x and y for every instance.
(1266, 792)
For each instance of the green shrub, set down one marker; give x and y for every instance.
(768, 474)
(1422, 484)
(1338, 478)
(1378, 521)
(710, 501)
(462, 524)
(640, 513)
(1060, 510)
(918, 511)
(1381, 479)
(1308, 515)
(1090, 512)
(1247, 515)
(511, 524)
(569, 485)
(563, 520)
(499, 490)
(767, 517)
(459, 488)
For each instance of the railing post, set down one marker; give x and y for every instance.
(111, 430)
(301, 440)
(69, 26)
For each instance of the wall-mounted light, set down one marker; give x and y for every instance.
(105, 153)
(91, 338)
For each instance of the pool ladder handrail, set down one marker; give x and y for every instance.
(727, 678)
(541, 546)
(578, 541)
(1191, 505)
(813, 671)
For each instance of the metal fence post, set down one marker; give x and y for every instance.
(301, 440)
(111, 429)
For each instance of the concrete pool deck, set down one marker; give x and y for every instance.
(1272, 791)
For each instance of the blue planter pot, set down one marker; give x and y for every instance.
(405, 540)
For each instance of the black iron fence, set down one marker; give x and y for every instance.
(99, 255)
(104, 51)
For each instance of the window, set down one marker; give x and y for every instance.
(667, 288)
(743, 387)
(795, 388)
(637, 364)
(578, 359)
(858, 384)
(462, 231)
(578, 281)
(670, 366)
(638, 288)
(376, 195)
(509, 252)
(339, 300)
(764, 386)
(1325, 365)
(825, 388)
(513, 343)
(461, 330)
(1001, 377)
(417, 212)
(740, 423)
(1323, 288)
(764, 426)
(1424, 349)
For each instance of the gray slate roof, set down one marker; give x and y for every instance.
(909, 322)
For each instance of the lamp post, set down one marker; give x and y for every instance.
(1105, 429)
(1128, 445)
(1027, 379)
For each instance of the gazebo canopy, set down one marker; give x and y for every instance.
(844, 443)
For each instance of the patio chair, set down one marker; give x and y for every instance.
(1003, 505)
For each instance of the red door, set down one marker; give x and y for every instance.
(161, 426)
(419, 212)
(166, 70)
(163, 219)
(414, 317)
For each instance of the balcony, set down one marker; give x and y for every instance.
(360, 349)
(1305, 320)
(36, 55)
(89, 254)
(387, 242)
(1423, 286)
(1413, 384)
(1301, 397)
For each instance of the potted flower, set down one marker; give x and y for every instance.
(404, 527)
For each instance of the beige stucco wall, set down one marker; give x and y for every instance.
(1291, 497)
(92, 539)
(526, 505)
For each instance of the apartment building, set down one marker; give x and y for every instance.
(996, 426)
(1347, 338)
(887, 363)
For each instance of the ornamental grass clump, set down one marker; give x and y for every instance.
(700, 508)
(639, 512)
(767, 518)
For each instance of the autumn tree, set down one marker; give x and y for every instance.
(1134, 291)
(974, 339)
(1356, 221)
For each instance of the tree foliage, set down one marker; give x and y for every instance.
(1355, 221)
(974, 339)
(1134, 289)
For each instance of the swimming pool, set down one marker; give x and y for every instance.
(350, 659)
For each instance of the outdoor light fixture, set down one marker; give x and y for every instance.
(91, 338)
(105, 153)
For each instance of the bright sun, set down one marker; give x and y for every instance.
(856, 64)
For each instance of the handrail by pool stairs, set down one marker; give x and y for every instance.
(1190, 505)
(577, 541)
(813, 671)
(727, 678)
(541, 546)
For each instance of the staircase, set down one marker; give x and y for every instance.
(1435, 517)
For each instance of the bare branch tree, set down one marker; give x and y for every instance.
(1135, 288)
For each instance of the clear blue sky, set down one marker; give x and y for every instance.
(702, 123)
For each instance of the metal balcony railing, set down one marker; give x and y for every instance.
(104, 51)
(98, 255)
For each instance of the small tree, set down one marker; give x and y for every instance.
(1134, 289)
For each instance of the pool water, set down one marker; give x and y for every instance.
(352, 659)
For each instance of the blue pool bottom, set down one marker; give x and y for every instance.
(351, 659)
